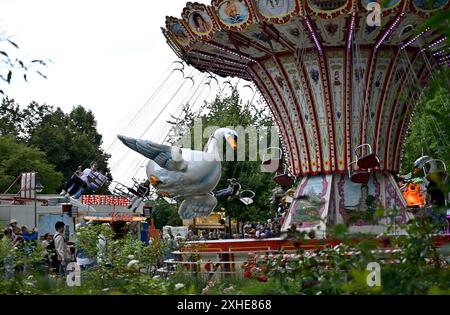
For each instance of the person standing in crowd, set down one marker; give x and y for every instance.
(15, 231)
(61, 248)
(46, 244)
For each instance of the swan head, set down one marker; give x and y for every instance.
(229, 135)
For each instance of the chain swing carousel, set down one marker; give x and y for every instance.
(342, 92)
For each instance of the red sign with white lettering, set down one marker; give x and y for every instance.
(103, 200)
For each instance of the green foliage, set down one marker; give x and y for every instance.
(417, 267)
(16, 158)
(439, 22)
(430, 127)
(127, 266)
(68, 140)
(124, 266)
(165, 214)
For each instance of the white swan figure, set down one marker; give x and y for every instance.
(188, 174)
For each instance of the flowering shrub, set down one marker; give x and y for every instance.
(127, 266)
(416, 267)
(124, 266)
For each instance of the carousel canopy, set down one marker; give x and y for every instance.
(332, 80)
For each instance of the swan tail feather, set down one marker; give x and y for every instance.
(197, 206)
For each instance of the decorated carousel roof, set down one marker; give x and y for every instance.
(332, 81)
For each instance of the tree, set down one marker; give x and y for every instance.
(18, 122)
(429, 132)
(10, 118)
(165, 214)
(70, 140)
(16, 158)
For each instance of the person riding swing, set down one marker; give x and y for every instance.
(89, 178)
(140, 193)
(232, 189)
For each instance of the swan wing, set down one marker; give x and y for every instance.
(165, 156)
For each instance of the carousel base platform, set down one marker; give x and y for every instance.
(321, 201)
(223, 258)
(232, 246)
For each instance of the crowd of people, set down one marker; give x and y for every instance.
(20, 235)
(56, 250)
(268, 229)
(205, 235)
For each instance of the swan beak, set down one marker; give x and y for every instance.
(154, 180)
(232, 142)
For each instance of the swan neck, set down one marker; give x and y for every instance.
(212, 145)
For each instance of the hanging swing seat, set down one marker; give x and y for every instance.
(273, 162)
(435, 170)
(284, 179)
(270, 165)
(97, 179)
(139, 189)
(365, 162)
(368, 161)
(120, 190)
(246, 197)
(359, 176)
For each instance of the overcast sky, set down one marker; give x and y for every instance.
(108, 55)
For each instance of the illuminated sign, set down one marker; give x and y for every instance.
(116, 217)
(104, 200)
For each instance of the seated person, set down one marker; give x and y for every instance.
(94, 180)
(232, 189)
(90, 179)
(142, 191)
(74, 183)
(416, 171)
